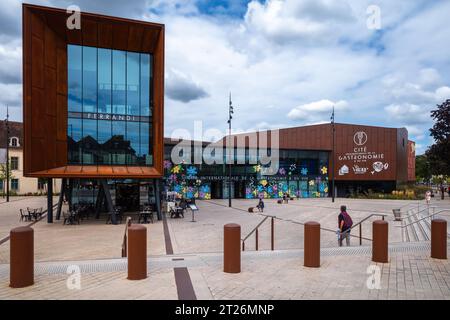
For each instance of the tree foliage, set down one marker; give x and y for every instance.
(438, 154)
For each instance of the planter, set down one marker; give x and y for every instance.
(397, 214)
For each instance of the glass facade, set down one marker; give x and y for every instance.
(109, 107)
(301, 173)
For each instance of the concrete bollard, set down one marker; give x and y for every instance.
(232, 248)
(21, 273)
(311, 250)
(439, 239)
(380, 250)
(137, 252)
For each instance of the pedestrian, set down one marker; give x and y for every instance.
(345, 224)
(260, 205)
(448, 191)
(428, 196)
(284, 197)
(442, 191)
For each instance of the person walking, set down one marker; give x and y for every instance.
(345, 224)
(442, 192)
(260, 205)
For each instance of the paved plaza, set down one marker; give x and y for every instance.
(185, 259)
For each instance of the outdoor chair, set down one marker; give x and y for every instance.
(24, 216)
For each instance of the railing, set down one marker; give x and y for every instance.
(255, 230)
(124, 243)
(426, 217)
(360, 224)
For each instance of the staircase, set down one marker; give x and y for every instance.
(416, 226)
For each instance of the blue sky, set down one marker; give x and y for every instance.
(285, 62)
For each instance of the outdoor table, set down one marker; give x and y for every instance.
(144, 215)
(34, 213)
(177, 212)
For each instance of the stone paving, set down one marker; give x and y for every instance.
(96, 247)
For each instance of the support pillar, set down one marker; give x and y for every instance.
(312, 245)
(380, 241)
(157, 198)
(21, 271)
(439, 239)
(61, 198)
(232, 248)
(137, 252)
(49, 200)
(108, 199)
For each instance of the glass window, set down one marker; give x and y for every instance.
(104, 80)
(109, 107)
(15, 184)
(133, 83)
(1, 184)
(14, 163)
(74, 78)
(118, 81)
(145, 85)
(89, 79)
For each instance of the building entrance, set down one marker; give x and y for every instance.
(127, 196)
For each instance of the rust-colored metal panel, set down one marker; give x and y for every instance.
(89, 32)
(61, 153)
(61, 71)
(50, 47)
(37, 62)
(45, 39)
(135, 36)
(61, 114)
(411, 161)
(104, 34)
(120, 36)
(50, 91)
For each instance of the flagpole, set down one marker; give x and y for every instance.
(333, 157)
(7, 153)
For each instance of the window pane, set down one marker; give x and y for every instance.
(74, 133)
(133, 138)
(90, 145)
(74, 78)
(145, 85)
(89, 79)
(104, 80)
(104, 136)
(118, 73)
(133, 83)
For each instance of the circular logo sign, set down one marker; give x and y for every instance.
(360, 138)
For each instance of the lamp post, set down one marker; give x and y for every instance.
(7, 153)
(230, 112)
(332, 156)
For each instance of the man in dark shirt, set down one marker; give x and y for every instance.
(344, 224)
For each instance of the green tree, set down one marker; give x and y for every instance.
(423, 172)
(3, 175)
(438, 154)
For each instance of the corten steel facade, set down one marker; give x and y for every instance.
(366, 157)
(49, 67)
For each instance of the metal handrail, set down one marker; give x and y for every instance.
(414, 214)
(429, 216)
(255, 230)
(370, 215)
(382, 215)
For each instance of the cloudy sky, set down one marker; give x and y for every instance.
(285, 62)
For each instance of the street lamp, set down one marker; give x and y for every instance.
(333, 130)
(230, 112)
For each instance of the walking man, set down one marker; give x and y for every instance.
(345, 224)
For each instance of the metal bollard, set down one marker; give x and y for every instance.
(21, 273)
(312, 244)
(380, 250)
(439, 239)
(232, 248)
(137, 252)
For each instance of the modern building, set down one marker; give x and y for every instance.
(18, 183)
(366, 158)
(93, 105)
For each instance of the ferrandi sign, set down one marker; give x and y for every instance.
(360, 160)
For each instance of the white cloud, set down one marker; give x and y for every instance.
(317, 110)
(408, 113)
